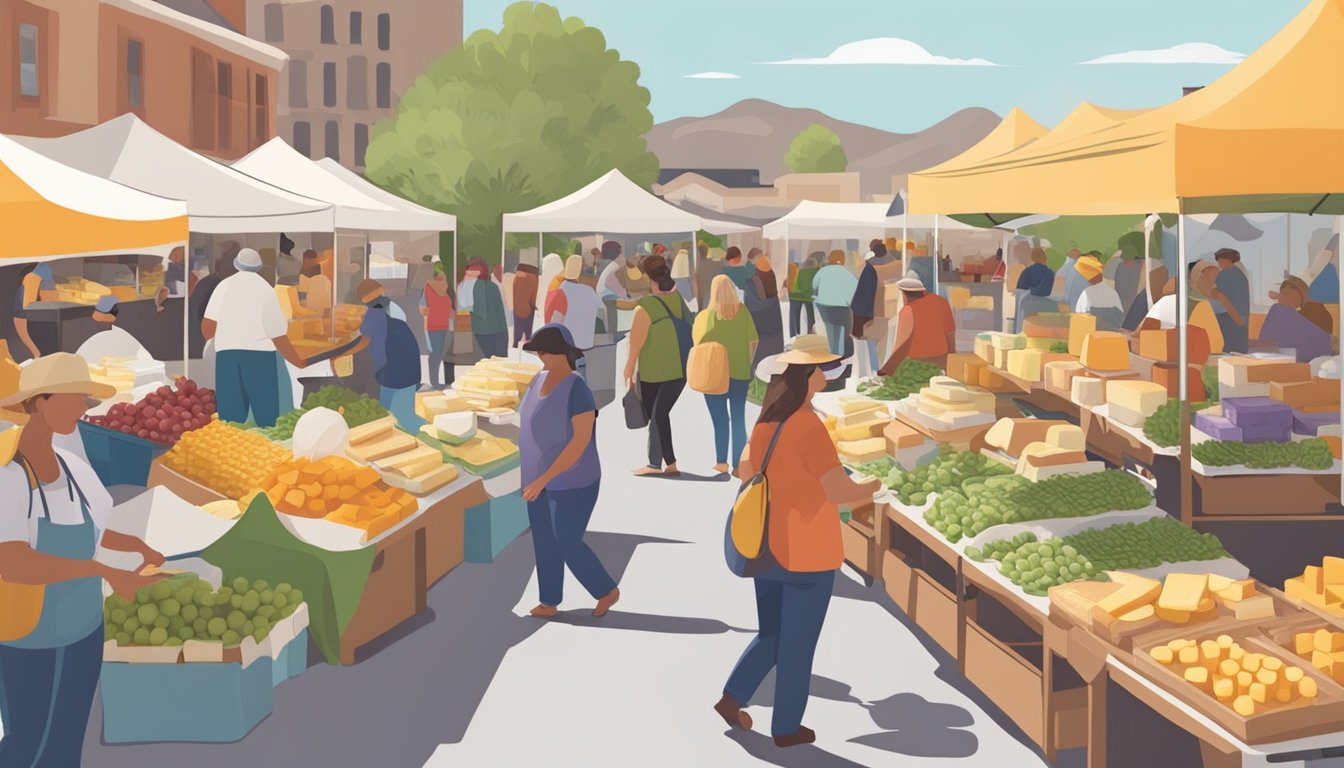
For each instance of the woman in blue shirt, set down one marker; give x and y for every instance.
(562, 475)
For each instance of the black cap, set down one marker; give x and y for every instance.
(554, 339)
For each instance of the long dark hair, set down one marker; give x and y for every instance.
(785, 394)
(655, 267)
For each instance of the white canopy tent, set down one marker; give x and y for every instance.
(446, 221)
(220, 200)
(723, 228)
(612, 204)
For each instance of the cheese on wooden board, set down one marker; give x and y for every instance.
(1218, 583)
(1045, 455)
(1079, 328)
(1105, 351)
(1059, 374)
(1168, 376)
(1184, 591)
(1172, 615)
(383, 447)
(1067, 436)
(862, 451)
(948, 389)
(1257, 607)
(1012, 435)
(1135, 592)
(1087, 391)
(1164, 345)
(1333, 570)
(1143, 397)
(1007, 341)
(1306, 394)
(1142, 613)
(964, 368)
(1036, 474)
(1046, 325)
(900, 436)
(1025, 364)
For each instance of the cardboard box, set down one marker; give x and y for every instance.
(187, 489)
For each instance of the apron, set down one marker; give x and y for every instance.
(71, 610)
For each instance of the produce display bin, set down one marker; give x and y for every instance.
(118, 458)
(395, 590)
(445, 530)
(492, 526)
(226, 701)
(292, 659)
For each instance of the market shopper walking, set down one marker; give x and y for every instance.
(737, 270)
(436, 305)
(659, 342)
(245, 320)
(807, 485)
(925, 328)
(834, 288)
(762, 299)
(395, 354)
(561, 473)
(800, 295)
(870, 307)
(576, 307)
(724, 323)
(487, 312)
(526, 281)
(53, 520)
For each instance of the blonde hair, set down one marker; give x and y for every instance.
(723, 300)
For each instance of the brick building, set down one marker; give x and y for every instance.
(180, 65)
(349, 63)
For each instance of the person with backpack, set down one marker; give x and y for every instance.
(395, 352)
(660, 342)
(723, 323)
(805, 487)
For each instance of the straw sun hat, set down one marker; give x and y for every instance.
(57, 374)
(805, 350)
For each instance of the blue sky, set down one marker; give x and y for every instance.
(1038, 44)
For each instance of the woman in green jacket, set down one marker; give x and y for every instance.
(655, 348)
(724, 322)
(800, 295)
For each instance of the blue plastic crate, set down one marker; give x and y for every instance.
(118, 458)
(226, 701)
(492, 526)
(292, 659)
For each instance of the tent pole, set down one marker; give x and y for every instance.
(937, 252)
(186, 315)
(1183, 357)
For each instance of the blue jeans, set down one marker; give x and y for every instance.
(45, 696)
(438, 347)
(729, 408)
(247, 381)
(559, 519)
(873, 352)
(401, 403)
(836, 320)
(796, 309)
(790, 608)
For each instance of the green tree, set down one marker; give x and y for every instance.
(514, 119)
(816, 150)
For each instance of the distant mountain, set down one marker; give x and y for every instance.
(756, 134)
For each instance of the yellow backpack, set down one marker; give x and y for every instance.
(746, 547)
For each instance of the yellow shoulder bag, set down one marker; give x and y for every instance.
(746, 546)
(20, 604)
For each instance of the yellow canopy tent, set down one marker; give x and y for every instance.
(1248, 142)
(49, 211)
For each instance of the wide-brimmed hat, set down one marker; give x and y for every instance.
(810, 349)
(248, 260)
(60, 373)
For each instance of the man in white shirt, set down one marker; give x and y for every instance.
(248, 326)
(1098, 298)
(576, 308)
(111, 341)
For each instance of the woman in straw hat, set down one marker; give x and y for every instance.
(807, 485)
(53, 520)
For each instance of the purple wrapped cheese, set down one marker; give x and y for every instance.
(1257, 412)
(1217, 427)
(1311, 423)
(1274, 434)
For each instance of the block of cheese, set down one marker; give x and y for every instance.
(1105, 351)
(964, 368)
(1218, 583)
(983, 399)
(1046, 325)
(1135, 592)
(878, 411)
(1240, 370)
(1257, 607)
(1143, 397)
(937, 406)
(1008, 341)
(984, 347)
(1087, 391)
(1067, 436)
(1041, 343)
(948, 389)
(1000, 360)
(1168, 375)
(383, 447)
(1012, 435)
(1237, 591)
(1025, 364)
(1059, 374)
(1184, 591)
(900, 436)
(423, 484)
(1123, 415)
(1164, 345)
(1314, 576)
(1046, 455)
(862, 451)
(1306, 394)
(1333, 570)
(862, 430)
(852, 404)
(1079, 328)
(1037, 474)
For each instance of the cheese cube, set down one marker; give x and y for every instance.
(1088, 392)
(1218, 583)
(964, 368)
(1025, 364)
(1007, 341)
(1334, 570)
(1259, 693)
(1238, 591)
(900, 436)
(861, 431)
(862, 451)
(1164, 345)
(1068, 437)
(1296, 588)
(1012, 435)
(1198, 677)
(948, 389)
(1105, 351)
(1135, 591)
(1183, 591)
(1314, 576)
(1143, 397)
(1079, 327)
(1257, 607)
(1163, 655)
(855, 405)
(1046, 455)
(1326, 641)
(1306, 688)
(1059, 374)
(1320, 659)
(1304, 643)
(861, 417)
(1244, 680)
(1306, 394)
(984, 347)
(1244, 706)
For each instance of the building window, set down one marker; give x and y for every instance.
(356, 28)
(224, 92)
(298, 83)
(357, 82)
(274, 15)
(384, 86)
(333, 140)
(303, 139)
(28, 80)
(329, 84)
(361, 143)
(262, 97)
(384, 32)
(202, 100)
(135, 74)
(328, 25)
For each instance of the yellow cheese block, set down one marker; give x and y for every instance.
(1046, 455)
(900, 436)
(1237, 591)
(1008, 341)
(424, 484)
(863, 451)
(1025, 364)
(1079, 327)
(374, 430)
(984, 347)
(1059, 374)
(1183, 591)
(863, 417)
(948, 389)
(1042, 344)
(1255, 607)
(861, 431)
(1067, 436)
(1218, 583)
(1134, 592)
(1087, 391)
(1012, 435)
(964, 368)
(850, 405)
(1105, 351)
(1334, 593)
(383, 447)
(1334, 570)
(1314, 576)
(1173, 616)
(1142, 613)
(936, 407)
(1142, 397)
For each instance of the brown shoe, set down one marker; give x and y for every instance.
(543, 611)
(803, 736)
(647, 472)
(731, 711)
(605, 602)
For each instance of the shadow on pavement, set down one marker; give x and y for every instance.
(690, 477)
(390, 709)
(821, 688)
(917, 727)
(646, 622)
(763, 748)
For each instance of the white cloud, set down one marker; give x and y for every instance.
(713, 76)
(1185, 53)
(887, 51)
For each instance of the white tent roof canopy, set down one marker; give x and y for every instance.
(723, 228)
(811, 220)
(219, 199)
(612, 204)
(448, 222)
(277, 163)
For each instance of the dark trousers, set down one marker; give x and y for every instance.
(493, 344)
(658, 401)
(45, 697)
(559, 519)
(790, 608)
(522, 328)
(796, 309)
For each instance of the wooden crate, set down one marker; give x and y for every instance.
(445, 531)
(898, 578)
(394, 592)
(1012, 683)
(936, 612)
(859, 549)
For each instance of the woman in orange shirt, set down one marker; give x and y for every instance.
(807, 484)
(925, 328)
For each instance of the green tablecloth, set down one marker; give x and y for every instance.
(260, 547)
